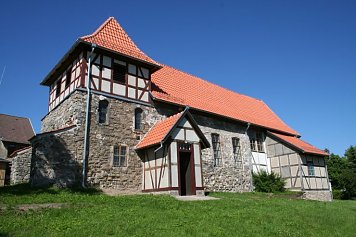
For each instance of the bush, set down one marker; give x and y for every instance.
(337, 194)
(268, 183)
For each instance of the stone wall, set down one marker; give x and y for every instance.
(230, 176)
(70, 111)
(318, 195)
(21, 166)
(118, 130)
(3, 150)
(56, 158)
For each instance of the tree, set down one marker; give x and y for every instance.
(336, 166)
(350, 155)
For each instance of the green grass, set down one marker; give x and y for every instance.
(90, 213)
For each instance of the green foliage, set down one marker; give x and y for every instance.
(337, 194)
(247, 214)
(268, 183)
(342, 173)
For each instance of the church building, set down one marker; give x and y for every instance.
(118, 119)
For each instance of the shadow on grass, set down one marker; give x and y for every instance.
(27, 189)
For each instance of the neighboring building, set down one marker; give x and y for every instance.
(154, 128)
(15, 133)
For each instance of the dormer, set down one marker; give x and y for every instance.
(119, 68)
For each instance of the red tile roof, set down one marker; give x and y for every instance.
(178, 87)
(300, 144)
(112, 36)
(158, 132)
(15, 129)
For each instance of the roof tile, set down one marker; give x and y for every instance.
(182, 88)
(157, 133)
(15, 129)
(112, 36)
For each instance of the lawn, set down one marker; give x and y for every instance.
(91, 213)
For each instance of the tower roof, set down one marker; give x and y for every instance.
(112, 36)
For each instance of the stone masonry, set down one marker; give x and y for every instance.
(20, 166)
(231, 176)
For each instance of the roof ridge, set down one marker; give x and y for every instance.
(99, 28)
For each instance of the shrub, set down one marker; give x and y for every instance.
(268, 183)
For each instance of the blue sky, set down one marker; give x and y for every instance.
(297, 56)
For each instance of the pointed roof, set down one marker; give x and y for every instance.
(162, 130)
(301, 145)
(112, 36)
(15, 129)
(174, 86)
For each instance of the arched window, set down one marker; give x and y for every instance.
(103, 111)
(138, 119)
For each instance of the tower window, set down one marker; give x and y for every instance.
(119, 73)
(311, 170)
(68, 77)
(103, 111)
(138, 119)
(58, 89)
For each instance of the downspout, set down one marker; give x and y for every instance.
(85, 150)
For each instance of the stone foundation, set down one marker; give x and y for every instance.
(322, 195)
(21, 166)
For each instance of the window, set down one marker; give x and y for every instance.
(58, 89)
(216, 149)
(253, 144)
(236, 149)
(256, 141)
(259, 141)
(119, 73)
(103, 111)
(311, 170)
(68, 77)
(138, 119)
(120, 154)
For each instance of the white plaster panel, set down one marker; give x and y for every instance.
(284, 160)
(325, 183)
(96, 83)
(141, 83)
(178, 134)
(198, 181)
(105, 86)
(77, 72)
(322, 172)
(274, 162)
(131, 80)
(106, 73)
(132, 93)
(294, 170)
(319, 183)
(95, 70)
(312, 183)
(196, 154)
(106, 61)
(164, 178)
(317, 171)
(174, 152)
(288, 183)
(145, 96)
(174, 170)
(119, 89)
(297, 183)
(159, 162)
(191, 136)
(293, 159)
(148, 181)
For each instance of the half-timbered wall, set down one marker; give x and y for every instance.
(293, 167)
(62, 87)
(136, 85)
(161, 168)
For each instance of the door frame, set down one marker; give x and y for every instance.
(183, 147)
